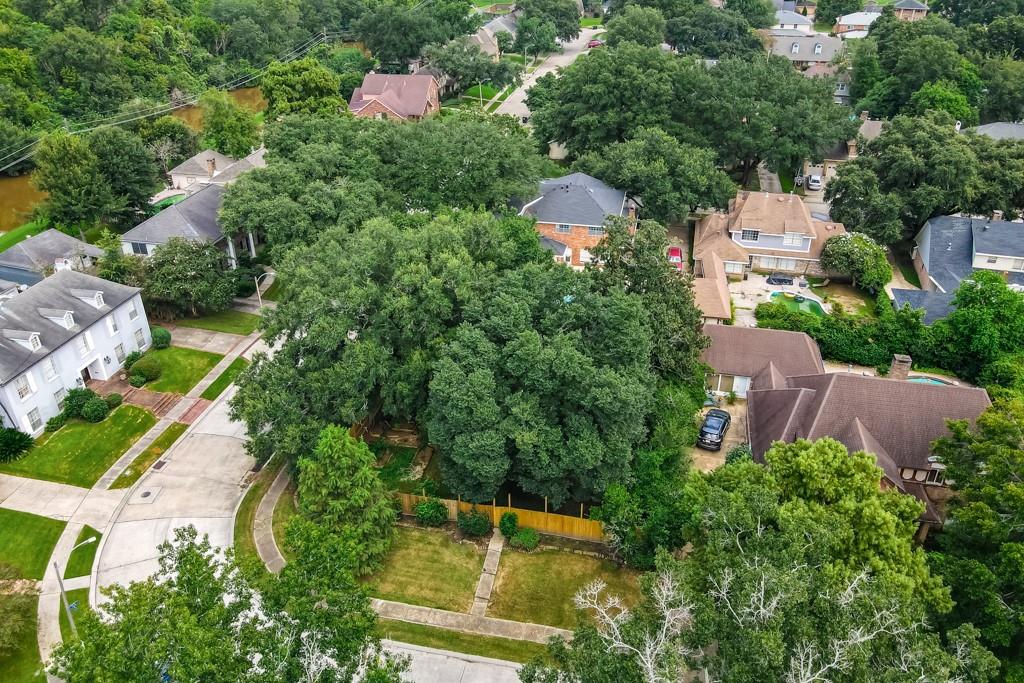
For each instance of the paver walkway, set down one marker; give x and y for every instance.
(430, 665)
(467, 623)
(240, 346)
(263, 524)
(484, 586)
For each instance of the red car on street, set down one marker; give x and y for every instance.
(675, 257)
(595, 43)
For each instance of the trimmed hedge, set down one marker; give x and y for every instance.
(75, 400)
(56, 422)
(525, 539)
(474, 523)
(509, 524)
(161, 338)
(148, 367)
(113, 400)
(95, 410)
(131, 359)
(431, 512)
(137, 381)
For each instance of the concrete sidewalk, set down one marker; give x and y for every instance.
(263, 524)
(467, 623)
(430, 665)
(58, 501)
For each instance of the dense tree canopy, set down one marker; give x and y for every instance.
(227, 127)
(711, 33)
(303, 86)
(467, 65)
(563, 14)
(857, 255)
(641, 25)
(185, 277)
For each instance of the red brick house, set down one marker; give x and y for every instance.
(391, 96)
(910, 10)
(571, 211)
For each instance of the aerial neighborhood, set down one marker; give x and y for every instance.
(539, 341)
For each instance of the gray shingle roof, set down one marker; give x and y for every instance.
(506, 22)
(785, 16)
(554, 246)
(783, 39)
(577, 199)
(194, 218)
(40, 252)
(21, 313)
(999, 238)
(197, 165)
(1002, 130)
(910, 4)
(235, 170)
(951, 246)
(936, 305)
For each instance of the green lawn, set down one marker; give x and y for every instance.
(245, 545)
(149, 456)
(539, 587)
(80, 562)
(78, 600)
(513, 57)
(273, 291)
(481, 646)
(591, 22)
(80, 452)
(232, 322)
(26, 541)
(21, 664)
(225, 379)
(182, 368)
(396, 471)
(428, 568)
(473, 93)
(10, 238)
(283, 513)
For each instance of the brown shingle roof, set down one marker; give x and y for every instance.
(711, 292)
(404, 95)
(770, 213)
(745, 351)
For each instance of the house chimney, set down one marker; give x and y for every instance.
(864, 115)
(211, 166)
(997, 215)
(900, 367)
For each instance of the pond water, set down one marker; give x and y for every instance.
(247, 98)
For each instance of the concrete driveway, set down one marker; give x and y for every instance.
(429, 665)
(201, 484)
(515, 103)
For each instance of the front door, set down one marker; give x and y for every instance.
(85, 374)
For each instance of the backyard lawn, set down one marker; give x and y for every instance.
(232, 322)
(591, 22)
(539, 587)
(853, 300)
(80, 452)
(149, 456)
(182, 368)
(225, 379)
(26, 541)
(428, 568)
(80, 562)
(12, 237)
(481, 646)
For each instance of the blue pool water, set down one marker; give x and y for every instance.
(926, 380)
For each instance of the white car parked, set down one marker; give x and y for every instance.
(814, 182)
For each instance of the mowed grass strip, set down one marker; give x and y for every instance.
(232, 322)
(78, 597)
(456, 641)
(149, 456)
(27, 541)
(225, 379)
(79, 453)
(538, 588)
(427, 568)
(245, 544)
(181, 368)
(283, 513)
(80, 562)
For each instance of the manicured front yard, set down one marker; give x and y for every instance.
(80, 452)
(539, 587)
(225, 379)
(26, 541)
(591, 22)
(181, 368)
(80, 562)
(21, 664)
(428, 568)
(232, 322)
(273, 291)
(149, 456)
(481, 646)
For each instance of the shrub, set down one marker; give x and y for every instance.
(136, 381)
(525, 539)
(161, 338)
(431, 512)
(94, 410)
(474, 523)
(113, 400)
(74, 401)
(148, 367)
(13, 444)
(739, 453)
(509, 524)
(56, 422)
(131, 359)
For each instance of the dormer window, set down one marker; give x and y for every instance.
(25, 338)
(64, 318)
(34, 342)
(69, 320)
(795, 49)
(817, 48)
(98, 300)
(93, 297)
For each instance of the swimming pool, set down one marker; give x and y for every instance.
(805, 306)
(928, 380)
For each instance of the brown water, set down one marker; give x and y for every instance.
(17, 199)
(247, 98)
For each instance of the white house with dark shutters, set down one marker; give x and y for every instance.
(59, 333)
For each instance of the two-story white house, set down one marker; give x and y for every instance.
(59, 333)
(764, 231)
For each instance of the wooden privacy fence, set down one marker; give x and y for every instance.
(544, 522)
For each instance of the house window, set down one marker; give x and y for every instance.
(140, 249)
(112, 325)
(842, 87)
(84, 346)
(992, 259)
(140, 340)
(793, 239)
(595, 232)
(189, 180)
(750, 235)
(1018, 264)
(133, 312)
(817, 48)
(795, 49)
(35, 420)
(936, 477)
(24, 387)
(733, 267)
(98, 301)
(49, 369)
(69, 320)
(119, 353)
(563, 228)
(59, 397)
(34, 342)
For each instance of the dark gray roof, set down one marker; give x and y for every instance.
(577, 199)
(506, 22)
(37, 253)
(1002, 130)
(948, 257)
(936, 305)
(232, 172)
(197, 165)
(22, 314)
(783, 39)
(554, 246)
(910, 4)
(785, 16)
(194, 218)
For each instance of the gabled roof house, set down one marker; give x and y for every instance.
(391, 96)
(30, 260)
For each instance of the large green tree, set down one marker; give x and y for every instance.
(129, 169)
(711, 33)
(69, 172)
(340, 490)
(857, 255)
(227, 127)
(467, 65)
(185, 277)
(641, 25)
(564, 14)
(301, 86)
(758, 13)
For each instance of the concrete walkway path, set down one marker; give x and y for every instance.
(58, 501)
(241, 345)
(430, 665)
(201, 340)
(467, 623)
(263, 524)
(769, 181)
(484, 586)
